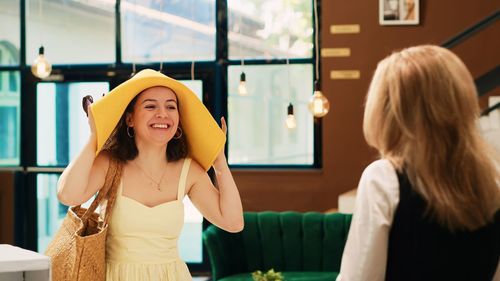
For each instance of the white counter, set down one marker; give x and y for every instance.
(17, 264)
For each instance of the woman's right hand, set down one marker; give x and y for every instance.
(86, 102)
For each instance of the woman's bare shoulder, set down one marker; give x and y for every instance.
(196, 172)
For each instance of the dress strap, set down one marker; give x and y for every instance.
(182, 180)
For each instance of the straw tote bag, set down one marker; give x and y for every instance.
(77, 251)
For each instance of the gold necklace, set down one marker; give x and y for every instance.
(154, 183)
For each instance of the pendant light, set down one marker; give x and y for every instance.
(318, 103)
(41, 67)
(290, 121)
(242, 87)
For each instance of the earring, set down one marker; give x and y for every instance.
(128, 132)
(178, 133)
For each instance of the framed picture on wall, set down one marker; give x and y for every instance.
(399, 12)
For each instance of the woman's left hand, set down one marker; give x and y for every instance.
(221, 158)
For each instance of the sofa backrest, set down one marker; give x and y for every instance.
(285, 241)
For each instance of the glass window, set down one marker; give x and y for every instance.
(9, 118)
(10, 31)
(270, 29)
(257, 131)
(168, 30)
(72, 31)
(62, 126)
(196, 86)
(50, 212)
(190, 241)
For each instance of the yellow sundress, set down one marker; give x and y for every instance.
(142, 241)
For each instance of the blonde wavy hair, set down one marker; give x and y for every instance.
(421, 113)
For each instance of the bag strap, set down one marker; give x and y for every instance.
(109, 190)
(113, 191)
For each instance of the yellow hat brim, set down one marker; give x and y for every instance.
(204, 136)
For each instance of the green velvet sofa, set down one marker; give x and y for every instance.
(303, 246)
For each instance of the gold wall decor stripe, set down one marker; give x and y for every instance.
(335, 52)
(345, 28)
(345, 74)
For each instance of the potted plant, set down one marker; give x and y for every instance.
(270, 275)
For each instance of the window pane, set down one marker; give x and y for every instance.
(72, 31)
(9, 118)
(168, 30)
(62, 126)
(270, 29)
(196, 86)
(50, 213)
(9, 32)
(190, 240)
(190, 243)
(257, 132)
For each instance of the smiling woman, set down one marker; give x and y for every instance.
(139, 124)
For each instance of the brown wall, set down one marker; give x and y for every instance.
(345, 153)
(6, 208)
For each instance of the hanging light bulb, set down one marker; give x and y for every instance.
(290, 121)
(318, 104)
(41, 68)
(242, 87)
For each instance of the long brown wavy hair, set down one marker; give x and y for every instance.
(421, 113)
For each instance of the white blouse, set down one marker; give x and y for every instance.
(365, 253)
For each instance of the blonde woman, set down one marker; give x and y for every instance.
(428, 210)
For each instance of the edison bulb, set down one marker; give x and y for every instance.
(319, 104)
(242, 87)
(290, 121)
(41, 68)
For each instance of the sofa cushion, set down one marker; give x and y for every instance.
(289, 276)
(286, 241)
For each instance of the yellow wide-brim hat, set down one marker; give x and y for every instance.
(205, 138)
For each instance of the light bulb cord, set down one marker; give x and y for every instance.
(240, 47)
(287, 59)
(40, 12)
(316, 40)
(132, 49)
(192, 70)
(162, 36)
(193, 44)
